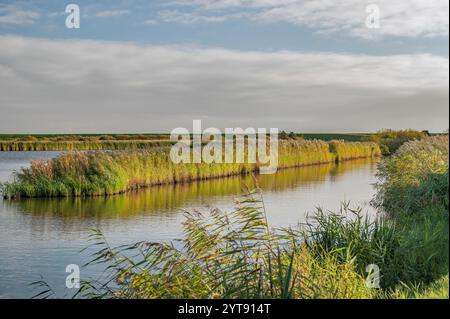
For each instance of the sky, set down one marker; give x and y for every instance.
(138, 66)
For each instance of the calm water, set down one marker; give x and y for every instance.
(41, 237)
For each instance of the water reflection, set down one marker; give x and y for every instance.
(40, 237)
(170, 198)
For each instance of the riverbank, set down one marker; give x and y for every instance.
(414, 194)
(151, 214)
(238, 255)
(97, 145)
(85, 142)
(88, 174)
(409, 243)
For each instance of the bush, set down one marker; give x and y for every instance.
(390, 140)
(415, 177)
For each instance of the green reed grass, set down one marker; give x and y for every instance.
(413, 191)
(223, 255)
(391, 140)
(346, 151)
(107, 173)
(55, 145)
(436, 290)
(415, 177)
(61, 142)
(173, 196)
(410, 241)
(238, 255)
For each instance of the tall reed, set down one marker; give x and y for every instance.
(415, 177)
(346, 151)
(223, 255)
(108, 173)
(413, 192)
(238, 255)
(81, 145)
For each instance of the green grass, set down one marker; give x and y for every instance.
(410, 242)
(436, 290)
(407, 249)
(108, 173)
(414, 177)
(414, 194)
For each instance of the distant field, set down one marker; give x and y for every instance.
(72, 137)
(351, 137)
(108, 173)
(160, 136)
(389, 140)
(60, 142)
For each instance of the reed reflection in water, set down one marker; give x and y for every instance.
(171, 198)
(39, 237)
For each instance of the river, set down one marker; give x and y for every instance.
(40, 237)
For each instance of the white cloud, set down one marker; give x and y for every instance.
(194, 18)
(111, 13)
(48, 85)
(150, 22)
(226, 4)
(412, 18)
(12, 14)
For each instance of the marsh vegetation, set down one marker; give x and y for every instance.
(238, 255)
(107, 173)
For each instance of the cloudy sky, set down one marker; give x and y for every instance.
(151, 66)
